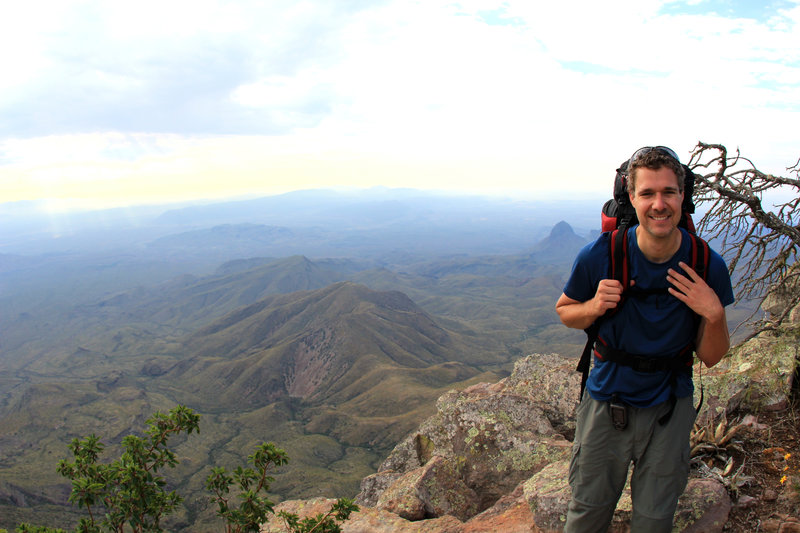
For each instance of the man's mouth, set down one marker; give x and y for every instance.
(660, 217)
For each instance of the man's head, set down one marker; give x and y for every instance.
(655, 189)
(654, 157)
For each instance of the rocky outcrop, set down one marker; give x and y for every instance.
(495, 457)
(495, 436)
(758, 375)
(784, 296)
(432, 490)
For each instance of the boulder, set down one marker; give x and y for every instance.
(703, 507)
(374, 485)
(498, 434)
(430, 491)
(510, 514)
(548, 494)
(366, 520)
(757, 375)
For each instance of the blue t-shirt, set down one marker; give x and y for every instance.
(650, 324)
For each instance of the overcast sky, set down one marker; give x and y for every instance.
(112, 102)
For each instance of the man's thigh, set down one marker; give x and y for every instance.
(661, 472)
(601, 456)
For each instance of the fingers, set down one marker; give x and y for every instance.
(608, 295)
(693, 291)
(681, 281)
(609, 288)
(678, 281)
(689, 271)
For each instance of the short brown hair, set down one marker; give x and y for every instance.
(654, 160)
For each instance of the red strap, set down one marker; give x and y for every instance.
(700, 256)
(607, 223)
(619, 257)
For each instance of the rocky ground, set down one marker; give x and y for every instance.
(495, 456)
(770, 497)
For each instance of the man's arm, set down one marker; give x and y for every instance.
(713, 340)
(581, 315)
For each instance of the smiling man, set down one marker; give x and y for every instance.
(637, 407)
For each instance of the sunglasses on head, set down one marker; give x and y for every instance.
(660, 149)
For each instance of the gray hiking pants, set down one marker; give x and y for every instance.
(601, 456)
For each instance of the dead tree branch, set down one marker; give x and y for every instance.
(760, 242)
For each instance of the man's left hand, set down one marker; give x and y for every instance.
(692, 290)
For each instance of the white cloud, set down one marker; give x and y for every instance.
(560, 88)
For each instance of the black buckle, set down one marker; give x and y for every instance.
(646, 364)
(619, 414)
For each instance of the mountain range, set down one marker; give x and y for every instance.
(326, 323)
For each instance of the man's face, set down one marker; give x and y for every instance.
(657, 201)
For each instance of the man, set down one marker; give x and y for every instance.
(652, 407)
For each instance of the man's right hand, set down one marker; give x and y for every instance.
(581, 315)
(608, 295)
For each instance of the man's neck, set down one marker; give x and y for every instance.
(658, 249)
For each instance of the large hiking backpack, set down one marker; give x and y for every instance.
(617, 216)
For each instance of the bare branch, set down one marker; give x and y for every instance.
(760, 242)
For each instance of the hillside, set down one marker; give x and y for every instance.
(338, 375)
(326, 346)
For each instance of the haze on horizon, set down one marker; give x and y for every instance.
(110, 104)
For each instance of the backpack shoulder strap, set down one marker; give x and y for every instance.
(700, 256)
(619, 270)
(584, 363)
(619, 266)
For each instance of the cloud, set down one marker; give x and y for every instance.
(177, 67)
(520, 90)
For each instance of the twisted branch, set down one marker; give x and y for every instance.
(760, 243)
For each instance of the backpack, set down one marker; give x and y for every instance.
(617, 216)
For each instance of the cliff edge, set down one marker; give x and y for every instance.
(495, 456)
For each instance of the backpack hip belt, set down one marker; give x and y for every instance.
(680, 361)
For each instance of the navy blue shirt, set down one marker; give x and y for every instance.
(657, 325)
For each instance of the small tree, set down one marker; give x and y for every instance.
(762, 241)
(130, 488)
(252, 509)
(133, 493)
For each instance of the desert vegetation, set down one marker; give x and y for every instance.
(130, 493)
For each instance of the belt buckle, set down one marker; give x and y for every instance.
(646, 364)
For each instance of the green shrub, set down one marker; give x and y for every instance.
(132, 492)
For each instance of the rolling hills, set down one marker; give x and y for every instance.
(337, 375)
(332, 357)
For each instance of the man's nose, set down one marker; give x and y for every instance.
(658, 201)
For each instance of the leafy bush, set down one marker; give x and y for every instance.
(133, 493)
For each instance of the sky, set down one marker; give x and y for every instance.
(106, 103)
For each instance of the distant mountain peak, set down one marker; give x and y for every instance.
(561, 245)
(562, 229)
